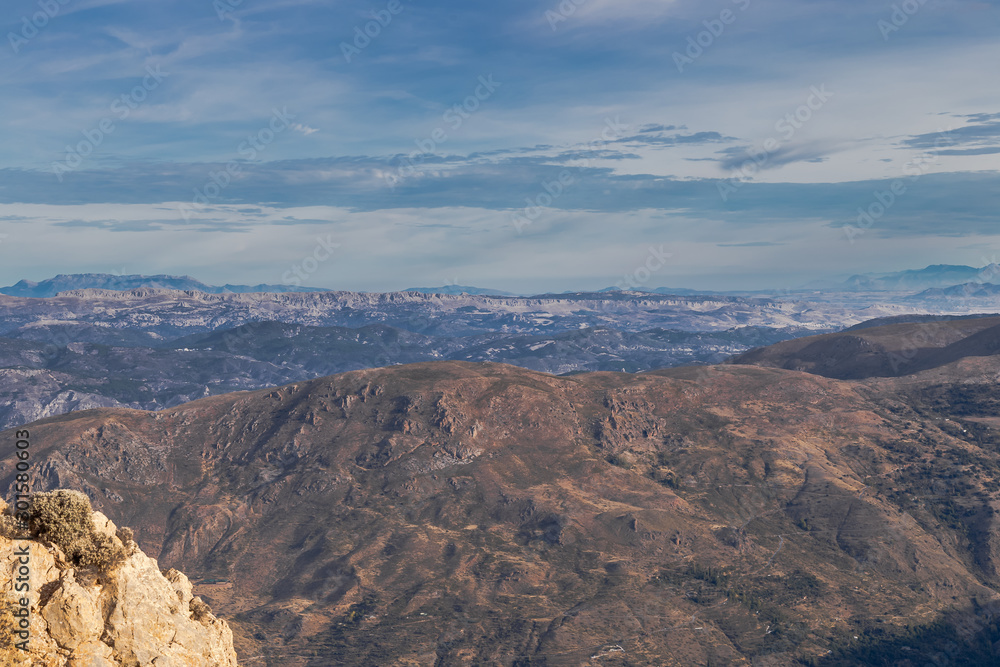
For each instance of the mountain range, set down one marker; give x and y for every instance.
(939, 276)
(461, 513)
(934, 276)
(153, 348)
(150, 348)
(458, 289)
(108, 281)
(354, 479)
(155, 315)
(41, 379)
(123, 283)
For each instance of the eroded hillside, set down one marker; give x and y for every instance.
(457, 514)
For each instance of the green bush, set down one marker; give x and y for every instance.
(65, 518)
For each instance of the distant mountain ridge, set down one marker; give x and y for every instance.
(933, 282)
(459, 289)
(915, 319)
(963, 291)
(934, 276)
(954, 349)
(38, 381)
(109, 281)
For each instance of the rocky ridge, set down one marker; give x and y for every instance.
(132, 614)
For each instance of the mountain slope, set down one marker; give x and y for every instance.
(455, 513)
(963, 291)
(958, 348)
(935, 276)
(40, 380)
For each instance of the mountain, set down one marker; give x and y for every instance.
(41, 380)
(963, 291)
(153, 348)
(915, 319)
(453, 513)
(935, 276)
(321, 351)
(956, 348)
(158, 315)
(108, 281)
(457, 289)
(940, 276)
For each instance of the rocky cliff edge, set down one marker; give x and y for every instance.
(128, 615)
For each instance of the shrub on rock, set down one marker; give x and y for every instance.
(65, 518)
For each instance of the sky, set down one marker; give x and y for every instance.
(376, 145)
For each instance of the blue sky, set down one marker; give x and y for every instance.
(521, 145)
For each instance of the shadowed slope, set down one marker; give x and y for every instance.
(892, 350)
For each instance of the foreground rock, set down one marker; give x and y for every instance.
(132, 614)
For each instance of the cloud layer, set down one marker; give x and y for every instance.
(758, 130)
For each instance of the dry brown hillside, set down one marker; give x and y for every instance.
(479, 514)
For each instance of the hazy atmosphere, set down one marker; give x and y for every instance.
(518, 146)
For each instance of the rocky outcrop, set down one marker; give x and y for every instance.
(131, 614)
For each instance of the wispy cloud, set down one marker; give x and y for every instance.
(981, 129)
(355, 122)
(781, 156)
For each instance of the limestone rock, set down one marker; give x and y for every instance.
(72, 613)
(130, 615)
